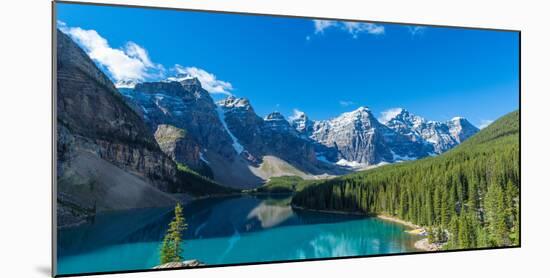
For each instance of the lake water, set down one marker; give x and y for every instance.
(226, 231)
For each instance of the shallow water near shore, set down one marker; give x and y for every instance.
(229, 230)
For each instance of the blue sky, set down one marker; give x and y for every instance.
(323, 68)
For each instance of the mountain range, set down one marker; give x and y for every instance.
(242, 149)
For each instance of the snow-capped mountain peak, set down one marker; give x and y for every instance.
(401, 116)
(179, 77)
(301, 122)
(461, 129)
(390, 114)
(274, 116)
(234, 102)
(457, 119)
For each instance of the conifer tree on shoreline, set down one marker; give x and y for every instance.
(171, 248)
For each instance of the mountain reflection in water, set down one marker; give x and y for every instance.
(229, 230)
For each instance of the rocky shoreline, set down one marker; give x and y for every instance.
(182, 264)
(424, 245)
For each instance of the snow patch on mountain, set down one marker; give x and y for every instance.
(389, 114)
(221, 114)
(201, 156)
(351, 164)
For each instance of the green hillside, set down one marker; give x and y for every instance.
(199, 185)
(467, 197)
(285, 184)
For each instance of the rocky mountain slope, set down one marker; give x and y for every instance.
(441, 135)
(106, 157)
(182, 104)
(231, 138)
(360, 139)
(271, 135)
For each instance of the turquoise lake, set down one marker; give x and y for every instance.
(227, 230)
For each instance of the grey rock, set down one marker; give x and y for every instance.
(179, 145)
(183, 264)
(442, 136)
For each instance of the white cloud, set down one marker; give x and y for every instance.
(61, 24)
(389, 114)
(416, 30)
(321, 25)
(485, 123)
(354, 28)
(130, 62)
(346, 103)
(296, 114)
(208, 80)
(135, 51)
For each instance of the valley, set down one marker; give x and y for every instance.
(172, 137)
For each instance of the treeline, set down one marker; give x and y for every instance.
(285, 184)
(198, 185)
(467, 197)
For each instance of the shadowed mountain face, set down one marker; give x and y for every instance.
(184, 105)
(107, 158)
(229, 137)
(272, 135)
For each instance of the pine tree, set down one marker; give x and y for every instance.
(171, 248)
(463, 232)
(468, 196)
(496, 215)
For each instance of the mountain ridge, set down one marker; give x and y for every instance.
(351, 141)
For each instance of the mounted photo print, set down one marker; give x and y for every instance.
(190, 139)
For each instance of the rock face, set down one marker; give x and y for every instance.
(302, 123)
(356, 135)
(358, 138)
(229, 135)
(244, 124)
(270, 136)
(178, 145)
(442, 136)
(97, 131)
(183, 104)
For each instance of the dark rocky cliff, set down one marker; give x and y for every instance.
(107, 158)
